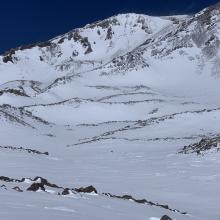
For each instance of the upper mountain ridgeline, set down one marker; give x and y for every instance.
(120, 43)
(90, 47)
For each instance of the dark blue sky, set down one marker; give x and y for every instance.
(29, 21)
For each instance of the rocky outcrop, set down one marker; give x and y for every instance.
(165, 217)
(89, 189)
(203, 146)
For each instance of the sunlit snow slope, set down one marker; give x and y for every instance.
(115, 120)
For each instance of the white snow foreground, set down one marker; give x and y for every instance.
(93, 123)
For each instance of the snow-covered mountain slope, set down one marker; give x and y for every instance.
(118, 119)
(85, 48)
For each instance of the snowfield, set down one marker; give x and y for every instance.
(115, 120)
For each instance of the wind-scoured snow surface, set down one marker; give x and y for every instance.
(128, 106)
